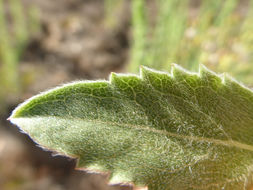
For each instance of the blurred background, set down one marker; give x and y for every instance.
(44, 43)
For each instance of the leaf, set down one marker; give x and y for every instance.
(165, 131)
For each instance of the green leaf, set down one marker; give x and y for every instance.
(165, 131)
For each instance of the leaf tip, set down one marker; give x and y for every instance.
(12, 119)
(13, 114)
(16, 112)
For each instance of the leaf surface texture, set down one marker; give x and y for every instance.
(181, 130)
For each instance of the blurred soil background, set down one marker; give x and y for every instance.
(69, 43)
(44, 43)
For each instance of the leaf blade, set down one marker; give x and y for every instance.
(178, 126)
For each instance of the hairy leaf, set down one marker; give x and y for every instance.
(165, 131)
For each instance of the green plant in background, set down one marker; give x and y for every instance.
(164, 131)
(15, 31)
(112, 9)
(139, 30)
(217, 34)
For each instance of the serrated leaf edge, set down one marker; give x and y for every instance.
(224, 78)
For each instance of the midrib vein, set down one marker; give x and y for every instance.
(229, 143)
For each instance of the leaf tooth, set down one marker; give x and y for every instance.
(141, 188)
(210, 78)
(113, 76)
(145, 72)
(123, 178)
(93, 168)
(120, 177)
(159, 80)
(148, 73)
(179, 73)
(204, 72)
(120, 76)
(229, 81)
(127, 84)
(124, 80)
(236, 86)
